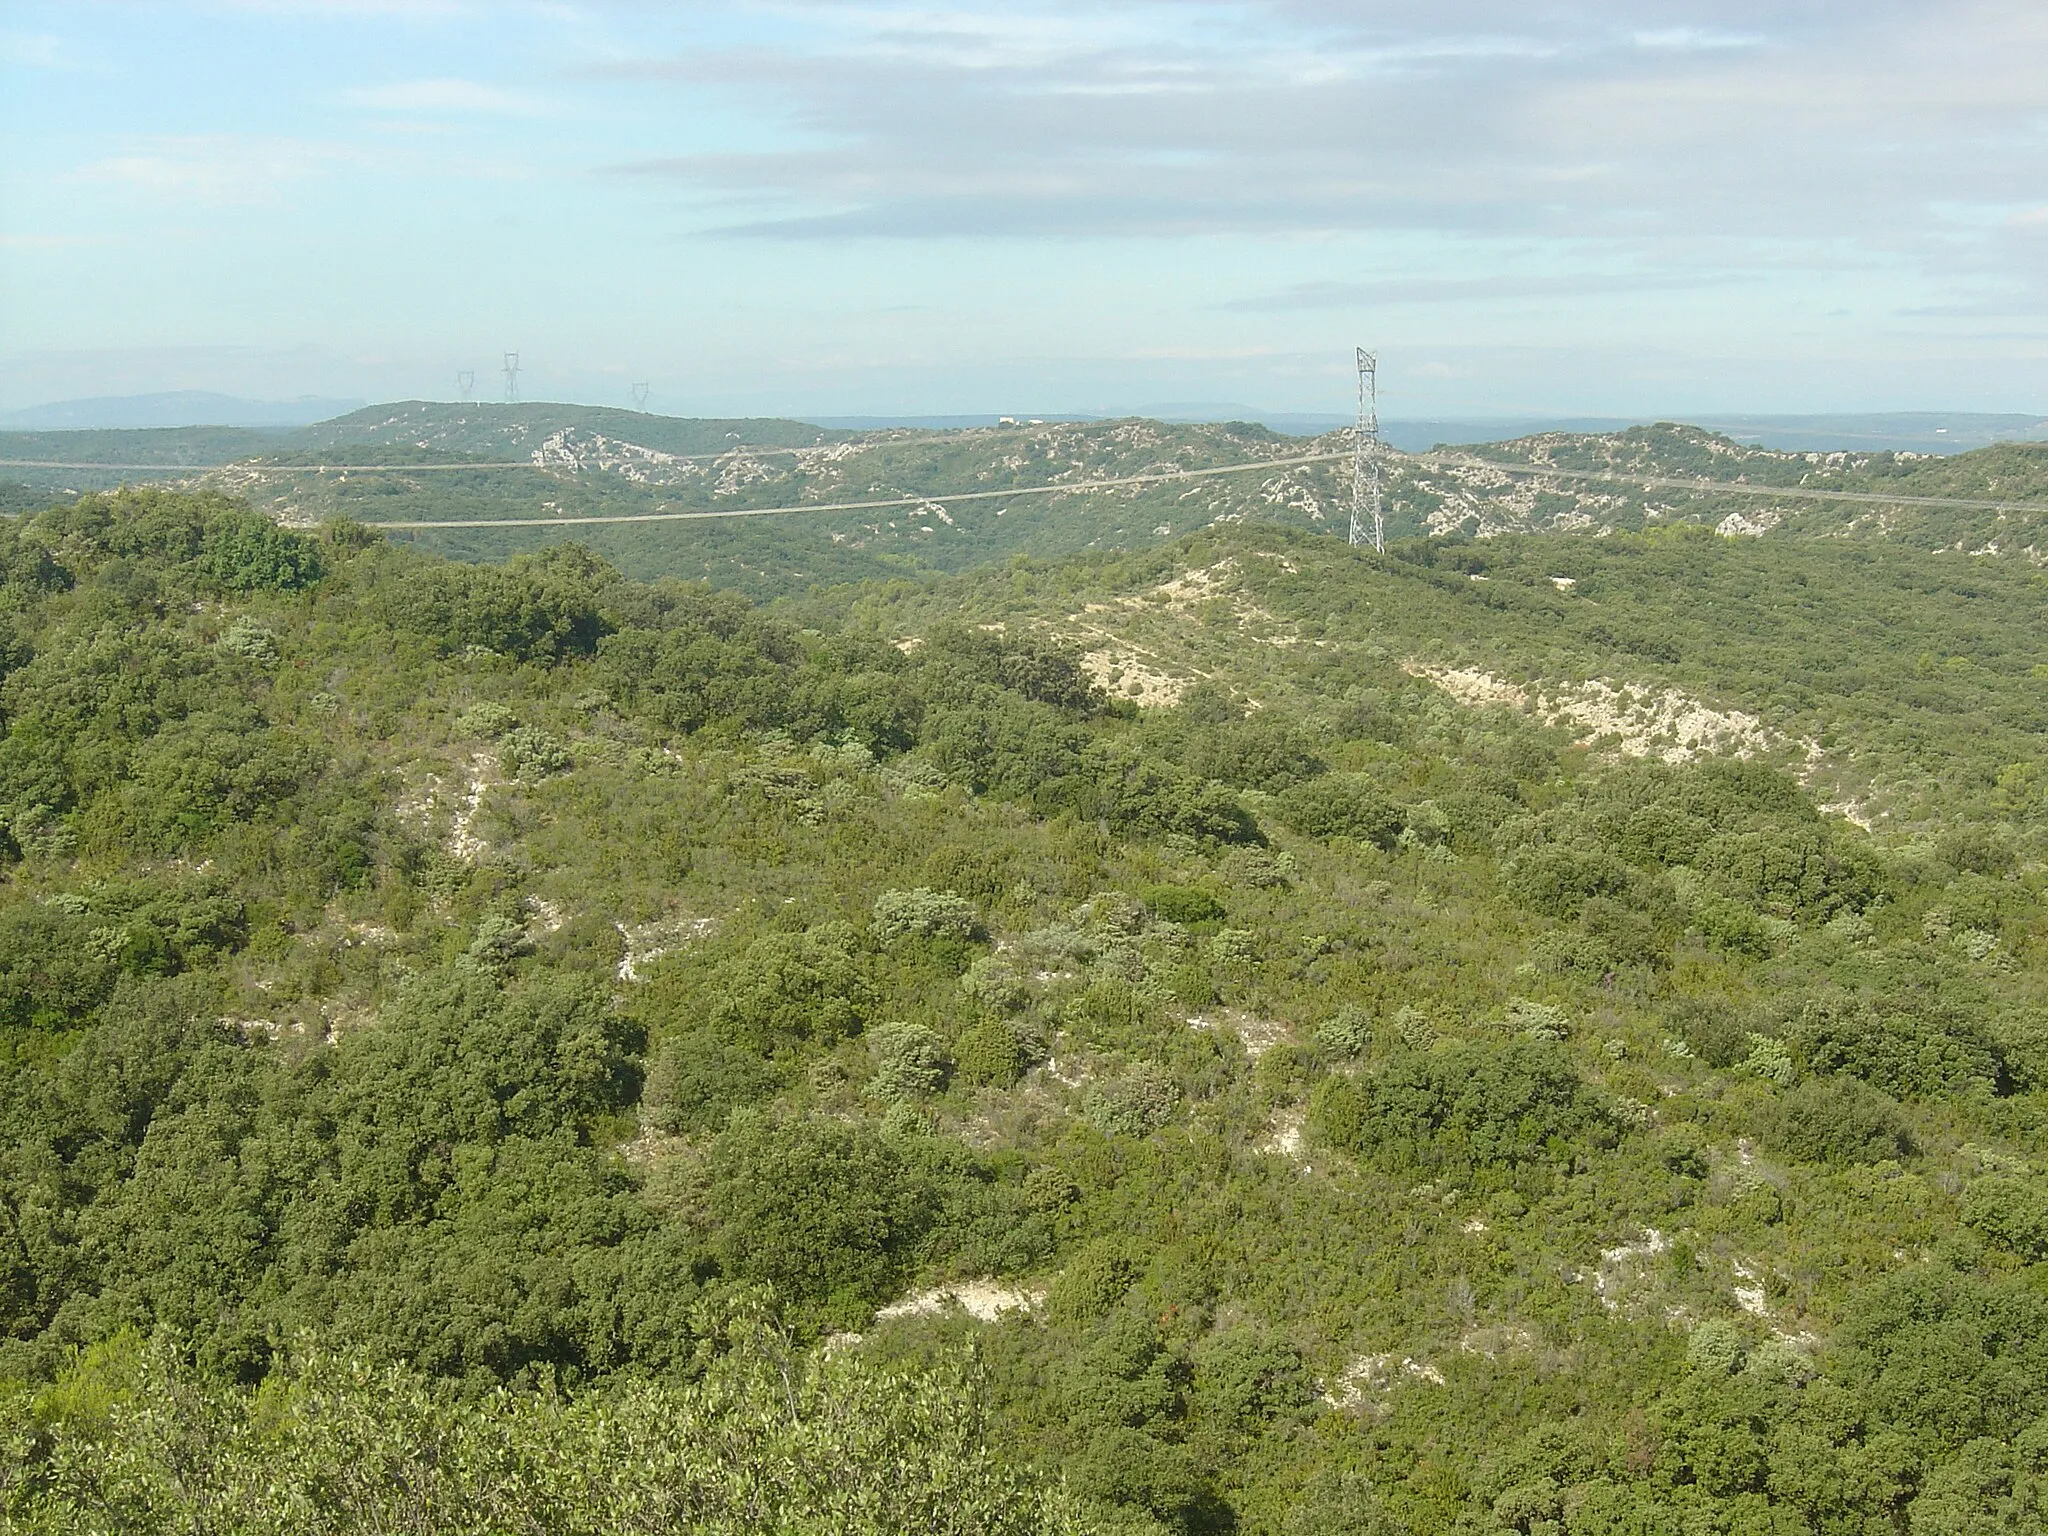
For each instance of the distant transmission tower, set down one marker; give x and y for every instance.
(639, 396)
(511, 375)
(1368, 520)
(465, 384)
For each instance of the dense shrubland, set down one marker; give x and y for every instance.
(476, 1037)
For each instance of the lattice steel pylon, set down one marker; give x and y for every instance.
(465, 384)
(511, 371)
(1368, 518)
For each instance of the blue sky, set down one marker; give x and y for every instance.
(897, 208)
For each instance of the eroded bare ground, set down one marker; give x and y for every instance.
(1136, 645)
(1644, 720)
(983, 1300)
(1631, 719)
(447, 807)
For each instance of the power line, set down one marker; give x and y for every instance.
(1151, 478)
(1365, 459)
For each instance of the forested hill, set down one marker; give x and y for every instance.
(661, 496)
(1238, 1036)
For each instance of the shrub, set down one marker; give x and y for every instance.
(1838, 1120)
(1135, 1103)
(250, 641)
(911, 1061)
(1348, 1033)
(923, 914)
(1500, 1106)
(487, 720)
(790, 987)
(1183, 904)
(991, 981)
(1094, 1280)
(1341, 805)
(1556, 879)
(532, 753)
(2012, 1213)
(1711, 1029)
(1905, 1052)
(990, 1054)
(825, 1211)
(1715, 1347)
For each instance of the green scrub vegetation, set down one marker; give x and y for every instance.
(505, 1048)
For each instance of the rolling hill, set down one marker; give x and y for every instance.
(1238, 1034)
(871, 504)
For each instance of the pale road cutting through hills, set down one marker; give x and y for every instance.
(322, 469)
(1432, 461)
(1152, 477)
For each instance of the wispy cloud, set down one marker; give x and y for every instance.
(216, 169)
(1695, 39)
(442, 96)
(1393, 291)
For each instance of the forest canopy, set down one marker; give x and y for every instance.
(599, 1055)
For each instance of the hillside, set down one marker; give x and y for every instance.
(876, 504)
(1232, 1036)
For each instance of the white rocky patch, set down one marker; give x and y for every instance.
(648, 942)
(1622, 1266)
(577, 450)
(1643, 721)
(1287, 1139)
(1257, 1035)
(1369, 1378)
(983, 1300)
(1750, 525)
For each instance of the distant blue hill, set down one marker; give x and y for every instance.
(177, 408)
(1898, 431)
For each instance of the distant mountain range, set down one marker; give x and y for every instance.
(673, 496)
(176, 408)
(1899, 431)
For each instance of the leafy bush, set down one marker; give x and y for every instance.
(768, 1439)
(487, 720)
(1346, 1033)
(1557, 879)
(1095, 1279)
(990, 1054)
(1906, 1052)
(1521, 1103)
(994, 983)
(910, 1061)
(2011, 1212)
(1183, 903)
(923, 914)
(1136, 1102)
(1340, 805)
(532, 753)
(1838, 1120)
(791, 987)
(1042, 669)
(826, 1212)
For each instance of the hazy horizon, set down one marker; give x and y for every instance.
(806, 210)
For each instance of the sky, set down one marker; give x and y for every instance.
(1032, 206)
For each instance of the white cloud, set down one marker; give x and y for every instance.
(1695, 39)
(1810, 120)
